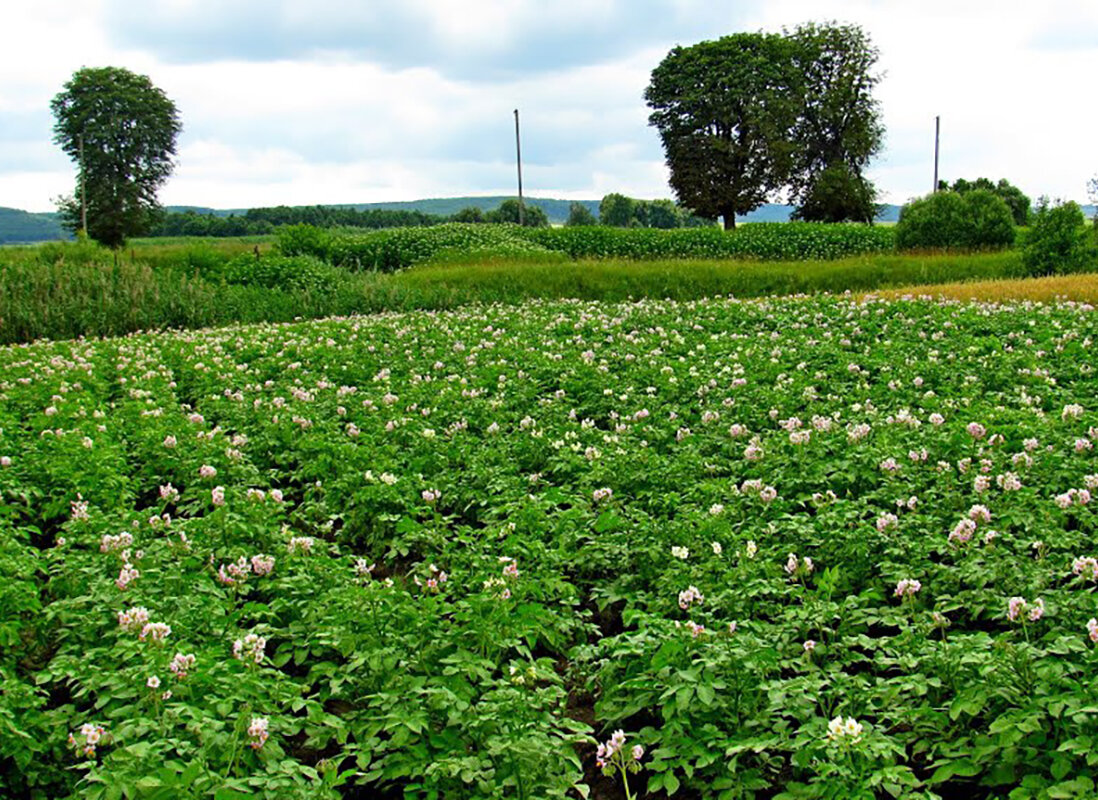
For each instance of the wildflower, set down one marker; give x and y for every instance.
(276, 495)
(717, 548)
(181, 664)
(155, 632)
(5, 461)
(302, 544)
(962, 532)
(170, 442)
(907, 588)
(257, 732)
(689, 596)
(695, 629)
(168, 492)
(127, 575)
(133, 619)
(751, 549)
(362, 569)
(602, 495)
(153, 682)
(217, 495)
(976, 430)
(431, 496)
(206, 472)
(809, 646)
(263, 564)
(886, 522)
(797, 568)
(979, 514)
(1086, 566)
(79, 509)
(680, 552)
(1092, 629)
(235, 573)
(250, 649)
(85, 741)
(844, 730)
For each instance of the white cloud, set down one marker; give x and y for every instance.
(423, 108)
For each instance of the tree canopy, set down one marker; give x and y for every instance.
(121, 131)
(747, 115)
(1016, 200)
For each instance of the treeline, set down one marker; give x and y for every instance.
(615, 210)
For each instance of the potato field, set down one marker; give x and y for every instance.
(801, 548)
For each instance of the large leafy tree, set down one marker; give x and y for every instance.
(838, 127)
(725, 111)
(121, 131)
(750, 114)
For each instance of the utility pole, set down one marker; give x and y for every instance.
(518, 158)
(83, 193)
(937, 132)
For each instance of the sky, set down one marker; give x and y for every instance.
(301, 102)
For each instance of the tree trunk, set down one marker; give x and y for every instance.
(729, 220)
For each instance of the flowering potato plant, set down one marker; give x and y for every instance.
(804, 548)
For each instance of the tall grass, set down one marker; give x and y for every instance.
(1082, 288)
(76, 290)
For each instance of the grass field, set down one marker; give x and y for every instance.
(1081, 288)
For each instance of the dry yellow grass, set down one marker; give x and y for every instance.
(1080, 288)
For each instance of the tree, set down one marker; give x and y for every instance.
(580, 214)
(508, 211)
(121, 131)
(838, 194)
(1057, 240)
(1013, 196)
(749, 114)
(617, 210)
(469, 214)
(838, 128)
(725, 111)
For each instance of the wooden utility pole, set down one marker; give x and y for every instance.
(518, 158)
(83, 193)
(937, 132)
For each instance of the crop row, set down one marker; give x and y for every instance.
(399, 248)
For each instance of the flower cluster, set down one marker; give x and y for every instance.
(847, 730)
(907, 588)
(251, 649)
(257, 732)
(87, 739)
(1020, 609)
(689, 596)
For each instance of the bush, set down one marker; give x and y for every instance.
(1058, 240)
(290, 273)
(948, 220)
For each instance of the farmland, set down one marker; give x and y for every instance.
(796, 548)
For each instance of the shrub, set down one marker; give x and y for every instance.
(1057, 240)
(971, 221)
(298, 240)
(291, 273)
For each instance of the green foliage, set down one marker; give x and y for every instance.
(289, 273)
(510, 212)
(468, 214)
(948, 220)
(1058, 241)
(121, 132)
(617, 211)
(64, 291)
(839, 127)
(1011, 195)
(838, 194)
(580, 215)
(400, 248)
(788, 547)
(723, 110)
(749, 114)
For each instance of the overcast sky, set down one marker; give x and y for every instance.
(341, 101)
